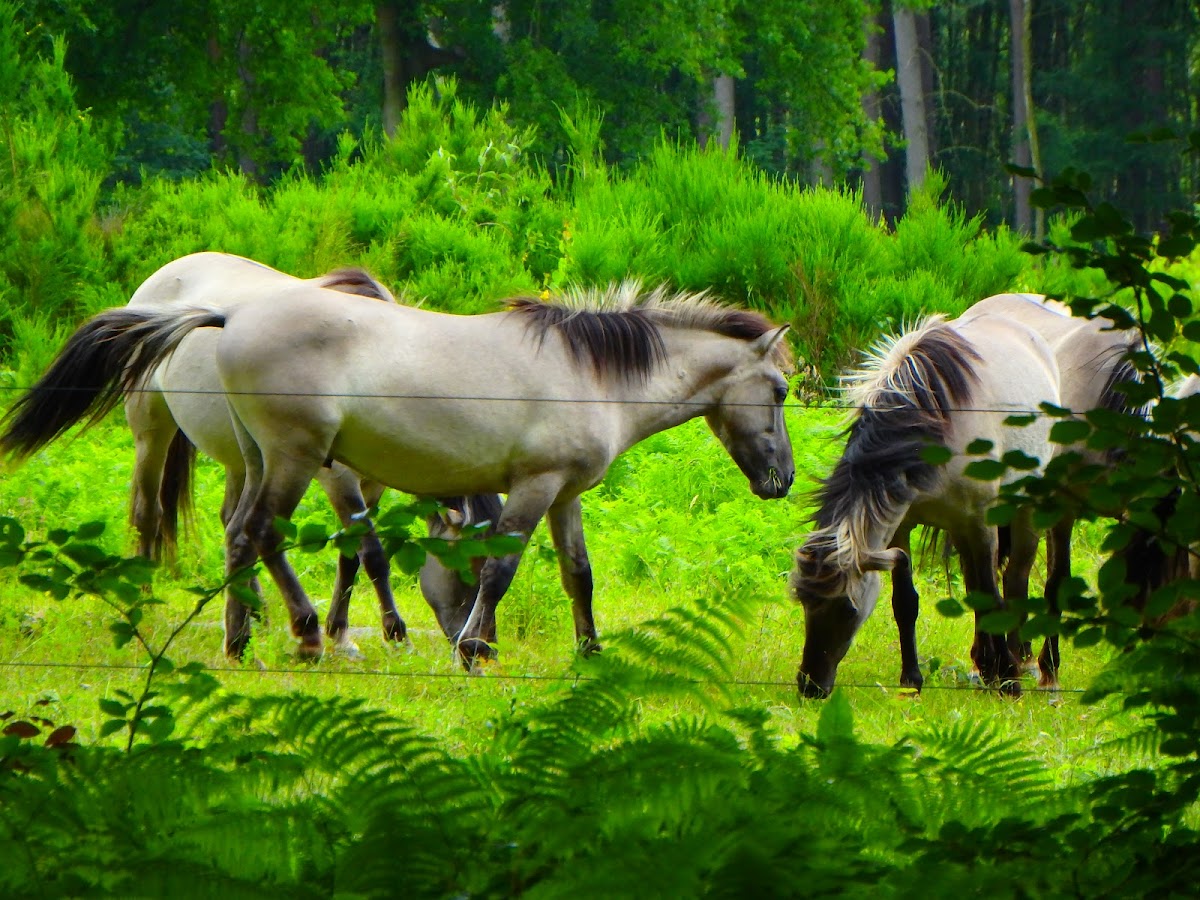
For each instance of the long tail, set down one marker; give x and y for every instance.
(175, 493)
(107, 357)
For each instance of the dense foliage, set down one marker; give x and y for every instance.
(212, 789)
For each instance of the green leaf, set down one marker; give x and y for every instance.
(1069, 431)
(410, 557)
(1002, 621)
(11, 532)
(122, 632)
(985, 469)
(112, 726)
(286, 528)
(312, 537)
(89, 531)
(114, 707)
(1089, 637)
(936, 455)
(836, 722)
(979, 447)
(950, 608)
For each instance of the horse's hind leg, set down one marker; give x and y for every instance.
(351, 500)
(906, 607)
(566, 530)
(1058, 570)
(283, 486)
(153, 429)
(236, 612)
(990, 652)
(1022, 553)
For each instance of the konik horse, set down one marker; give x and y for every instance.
(943, 383)
(535, 401)
(180, 406)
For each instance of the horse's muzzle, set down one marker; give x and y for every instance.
(774, 486)
(811, 689)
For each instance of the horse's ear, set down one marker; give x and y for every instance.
(767, 342)
(885, 561)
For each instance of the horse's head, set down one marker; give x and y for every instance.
(837, 595)
(448, 593)
(748, 419)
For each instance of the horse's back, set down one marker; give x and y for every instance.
(207, 279)
(1087, 351)
(1017, 370)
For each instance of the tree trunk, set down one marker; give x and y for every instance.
(393, 80)
(1018, 56)
(218, 112)
(925, 55)
(872, 183)
(724, 103)
(912, 97)
(247, 158)
(407, 55)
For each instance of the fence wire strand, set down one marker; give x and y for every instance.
(498, 677)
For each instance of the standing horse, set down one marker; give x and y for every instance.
(943, 383)
(535, 401)
(181, 406)
(1093, 361)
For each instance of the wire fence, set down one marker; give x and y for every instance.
(832, 405)
(466, 677)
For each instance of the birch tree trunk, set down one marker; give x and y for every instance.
(723, 102)
(1021, 155)
(872, 182)
(912, 97)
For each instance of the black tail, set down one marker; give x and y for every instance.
(108, 356)
(175, 494)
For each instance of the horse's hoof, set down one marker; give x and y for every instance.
(347, 650)
(914, 680)
(1010, 687)
(395, 630)
(310, 650)
(473, 650)
(589, 647)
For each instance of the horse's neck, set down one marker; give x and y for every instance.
(686, 385)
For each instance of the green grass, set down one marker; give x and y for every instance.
(674, 524)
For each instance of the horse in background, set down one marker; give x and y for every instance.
(180, 406)
(1151, 563)
(944, 383)
(535, 401)
(1093, 362)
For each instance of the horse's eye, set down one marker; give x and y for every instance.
(781, 393)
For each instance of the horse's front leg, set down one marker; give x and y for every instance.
(906, 607)
(527, 502)
(566, 530)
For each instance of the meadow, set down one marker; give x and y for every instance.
(674, 525)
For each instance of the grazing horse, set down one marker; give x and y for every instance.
(1093, 361)
(1150, 564)
(535, 401)
(943, 383)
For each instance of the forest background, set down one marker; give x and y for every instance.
(839, 165)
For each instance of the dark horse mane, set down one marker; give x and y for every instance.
(904, 398)
(617, 331)
(355, 281)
